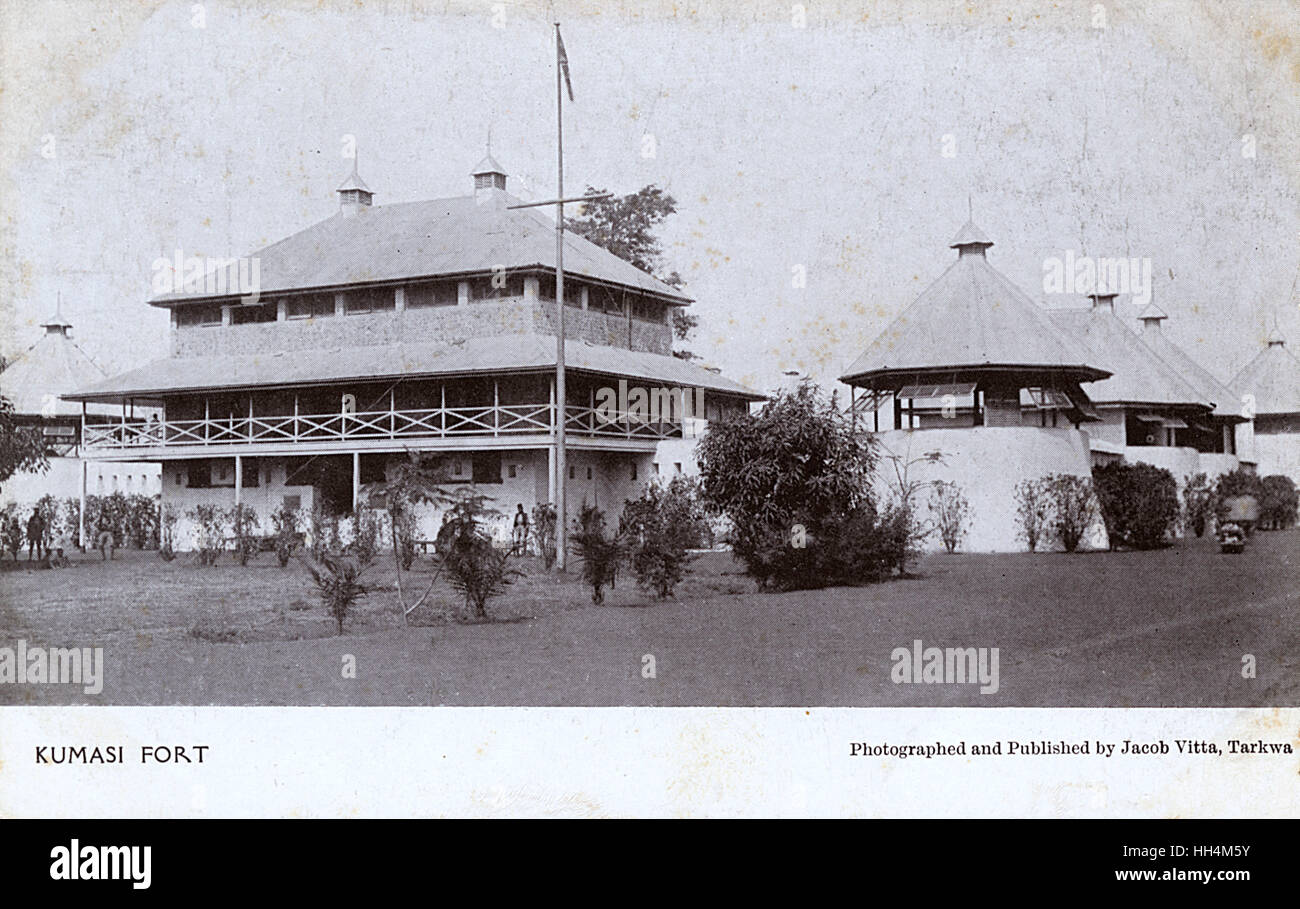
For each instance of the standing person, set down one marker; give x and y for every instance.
(520, 546)
(104, 542)
(35, 535)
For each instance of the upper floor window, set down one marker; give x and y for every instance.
(311, 306)
(370, 299)
(605, 299)
(496, 287)
(247, 315)
(572, 291)
(647, 310)
(199, 314)
(432, 293)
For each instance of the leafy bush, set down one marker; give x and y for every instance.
(1074, 508)
(1198, 503)
(11, 530)
(1277, 508)
(284, 522)
(600, 554)
(951, 512)
(1034, 510)
(338, 584)
(1139, 503)
(475, 568)
(210, 529)
(659, 527)
(789, 478)
(1240, 482)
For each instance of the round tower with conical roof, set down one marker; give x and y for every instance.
(976, 374)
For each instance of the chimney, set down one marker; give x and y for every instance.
(56, 324)
(354, 195)
(970, 241)
(1151, 318)
(489, 179)
(1103, 302)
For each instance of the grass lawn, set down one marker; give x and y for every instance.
(1166, 628)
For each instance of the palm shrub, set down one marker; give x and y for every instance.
(1139, 503)
(475, 568)
(338, 584)
(658, 527)
(1198, 503)
(600, 553)
(284, 522)
(950, 511)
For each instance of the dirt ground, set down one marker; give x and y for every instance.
(1166, 628)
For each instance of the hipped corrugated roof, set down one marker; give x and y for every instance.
(1139, 374)
(475, 355)
(972, 316)
(1226, 401)
(410, 240)
(1273, 377)
(51, 367)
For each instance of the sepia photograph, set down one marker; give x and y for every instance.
(514, 353)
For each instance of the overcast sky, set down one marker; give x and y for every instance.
(130, 133)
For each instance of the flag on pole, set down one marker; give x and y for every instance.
(564, 62)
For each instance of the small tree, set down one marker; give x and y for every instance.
(22, 448)
(951, 513)
(210, 529)
(167, 533)
(543, 532)
(284, 521)
(1074, 508)
(408, 483)
(600, 553)
(365, 541)
(658, 527)
(1033, 510)
(243, 526)
(1277, 509)
(1198, 503)
(338, 584)
(323, 526)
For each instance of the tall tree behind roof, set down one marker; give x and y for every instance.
(626, 226)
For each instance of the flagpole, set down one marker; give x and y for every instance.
(561, 399)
